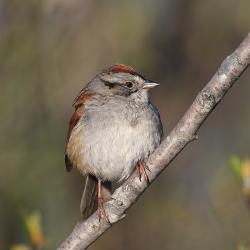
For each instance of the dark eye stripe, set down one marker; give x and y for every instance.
(109, 84)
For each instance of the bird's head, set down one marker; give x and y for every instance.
(121, 80)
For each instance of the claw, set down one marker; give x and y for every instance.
(101, 210)
(141, 168)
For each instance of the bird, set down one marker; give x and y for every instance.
(113, 130)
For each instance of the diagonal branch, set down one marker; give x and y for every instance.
(86, 232)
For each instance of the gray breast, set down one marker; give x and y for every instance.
(116, 135)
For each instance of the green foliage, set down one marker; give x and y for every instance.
(236, 166)
(242, 247)
(241, 168)
(20, 247)
(34, 228)
(32, 223)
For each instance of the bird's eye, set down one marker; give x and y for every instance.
(129, 85)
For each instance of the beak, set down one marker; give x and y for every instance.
(150, 85)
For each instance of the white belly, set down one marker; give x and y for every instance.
(112, 145)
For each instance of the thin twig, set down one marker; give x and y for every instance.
(86, 232)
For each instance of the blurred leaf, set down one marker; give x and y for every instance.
(236, 166)
(241, 168)
(246, 176)
(20, 247)
(34, 228)
(242, 247)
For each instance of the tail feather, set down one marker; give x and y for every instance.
(89, 200)
(89, 197)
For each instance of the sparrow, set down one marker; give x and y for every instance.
(112, 131)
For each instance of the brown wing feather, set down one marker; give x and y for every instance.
(79, 111)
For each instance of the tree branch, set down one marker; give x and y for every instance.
(86, 232)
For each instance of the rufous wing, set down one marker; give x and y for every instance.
(78, 113)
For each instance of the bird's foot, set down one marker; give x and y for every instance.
(101, 210)
(141, 168)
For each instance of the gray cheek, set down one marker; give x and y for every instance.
(120, 91)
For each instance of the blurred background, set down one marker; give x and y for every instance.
(50, 49)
